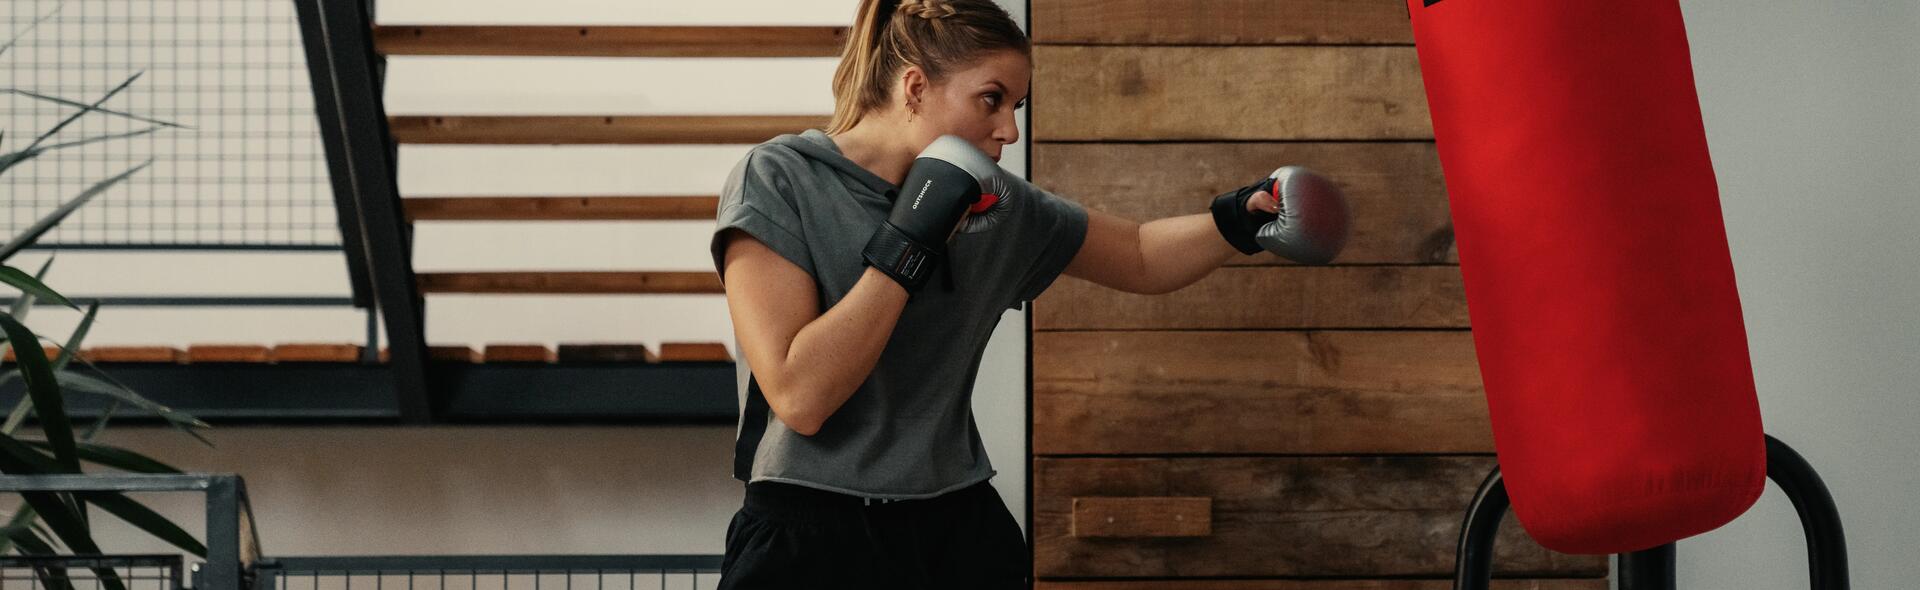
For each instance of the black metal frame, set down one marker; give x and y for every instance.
(233, 544)
(1654, 568)
(347, 76)
(269, 572)
(45, 567)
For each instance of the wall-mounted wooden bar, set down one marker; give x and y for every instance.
(571, 282)
(610, 41)
(592, 129)
(594, 208)
(1358, 517)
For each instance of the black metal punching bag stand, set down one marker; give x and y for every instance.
(1653, 569)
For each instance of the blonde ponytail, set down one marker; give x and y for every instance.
(937, 35)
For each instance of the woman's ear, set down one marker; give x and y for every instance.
(913, 86)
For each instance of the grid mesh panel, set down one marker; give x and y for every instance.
(499, 579)
(138, 572)
(247, 171)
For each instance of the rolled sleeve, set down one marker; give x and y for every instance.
(755, 201)
(1064, 222)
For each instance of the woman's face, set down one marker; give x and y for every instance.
(977, 103)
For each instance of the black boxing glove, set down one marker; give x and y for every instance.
(943, 183)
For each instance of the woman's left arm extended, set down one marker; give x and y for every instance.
(1156, 257)
(1295, 213)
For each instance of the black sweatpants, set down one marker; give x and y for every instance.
(794, 537)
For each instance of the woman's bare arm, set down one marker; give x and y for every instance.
(807, 363)
(1157, 257)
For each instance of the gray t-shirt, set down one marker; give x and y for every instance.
(908, 432)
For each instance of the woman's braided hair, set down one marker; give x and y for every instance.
(937, 35)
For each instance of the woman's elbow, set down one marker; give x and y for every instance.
(792, 411)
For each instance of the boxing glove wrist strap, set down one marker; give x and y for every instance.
(906, 261)
(1235, 222)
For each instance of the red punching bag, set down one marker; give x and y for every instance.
(1598, 280)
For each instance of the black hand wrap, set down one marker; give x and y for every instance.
(1236, 223)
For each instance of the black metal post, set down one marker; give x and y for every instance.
(346, 80)
(1819, 518)
(1655, 568)
(1649, 569)
(1473, 565)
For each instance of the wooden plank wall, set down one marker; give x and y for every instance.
(1274, 426)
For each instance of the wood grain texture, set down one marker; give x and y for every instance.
(518, 353)
(1284, 392)
(1095, 93)
(1377, 516)
(671, 352)
(134, 354)
(1397, 194)
(1174, 584)
(613, 352)
(1141, 517)
(229, 353)
(610, 41)
(1270, 298)
(576, 129)
(560, 208)
(1220, 22)
(320, 352)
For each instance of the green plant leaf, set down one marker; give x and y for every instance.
(47, 403)
(84, 383)
(25, 303)
(11, 159)
(31, 287)
(19, 459)
(75, 103)
(73, 117)
(31, 543)
(19, 413)
(22, 455)
(46, 224)
(148, 520)
(30, 28)
(115, 457)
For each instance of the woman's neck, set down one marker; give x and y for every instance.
(867, 146)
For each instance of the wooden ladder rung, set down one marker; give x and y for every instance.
(229, 353)
(518, 353)
(572, 282)
(606, 353)
(560, 208)
(134, 354)
(317, 353)
(52, 352)
(694, 352)
(589, 129)
(611, 41)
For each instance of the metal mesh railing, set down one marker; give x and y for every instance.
(490, 572)
(65, 572)
(245, 168)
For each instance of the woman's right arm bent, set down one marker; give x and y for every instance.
(807, 363)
